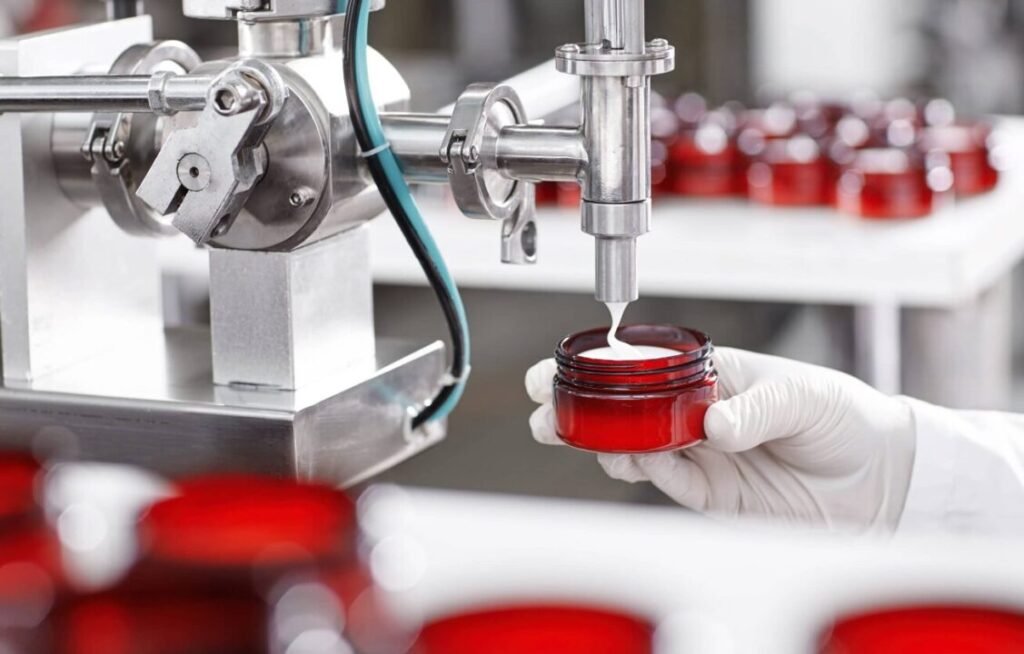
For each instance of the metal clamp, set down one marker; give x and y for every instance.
(519, 233)
(589, 60)
(479, 115)
(121, 146)
(206, 172)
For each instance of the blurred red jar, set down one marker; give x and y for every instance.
(704, 162)
(216, 562)
(928, 630)
(537, 630)
(789, 172)
(970, 157)
(885, 183)
(647, 405)
(20, 476)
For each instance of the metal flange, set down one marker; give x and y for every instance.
(588, 60)
(480, 190)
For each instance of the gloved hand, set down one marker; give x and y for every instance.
(788, 440)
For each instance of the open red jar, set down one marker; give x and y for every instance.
(789, 172)
(634, 406)
(927, 630)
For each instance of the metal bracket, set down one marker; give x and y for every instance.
(206, 173)
(519, 233)
(121, 146)
(479, 114)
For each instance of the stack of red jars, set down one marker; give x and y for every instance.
(867, 157)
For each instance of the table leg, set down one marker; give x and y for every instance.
(877, 345)
(961, 356)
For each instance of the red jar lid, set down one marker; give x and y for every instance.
(928, 630)
(537, 630)
(19, 475)
(248, 520)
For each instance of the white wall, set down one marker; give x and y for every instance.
(834, 46)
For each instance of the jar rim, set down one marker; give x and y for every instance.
(692, 345)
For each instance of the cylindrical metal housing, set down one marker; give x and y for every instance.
(290, 39)
(619, 23)
(616, 131)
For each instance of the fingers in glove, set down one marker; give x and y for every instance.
(622, 467)
(770, 410)
(542, 424)
(678, 477)
(540, 381)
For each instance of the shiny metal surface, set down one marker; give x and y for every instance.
(73, 287)
(155, 406)
(205, 173)
(296, 319)
(261, 10)
(536, 153)
(108, 93)
(290, 39)
(416, 140)
(480, 114)
(121, 148)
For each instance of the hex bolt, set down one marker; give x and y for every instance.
(657, 44)
(302, 197)
(570, 48)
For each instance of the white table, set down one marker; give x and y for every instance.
(951, 267)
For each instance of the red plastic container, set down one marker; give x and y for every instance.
(704, 162)
(928, 630)
(885, 183)
(217, 565)
(970, 157)
(537, 630)
(19, 479)
(651, 405)
(789, 172)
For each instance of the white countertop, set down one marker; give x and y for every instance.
(731, 249)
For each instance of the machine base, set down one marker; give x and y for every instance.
(157, 407)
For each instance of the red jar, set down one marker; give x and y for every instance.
(20, 476)
(219, 566)
(970, 156)
(703, 162)
(650, 405)
(928, 630)
(885, 183)
(537, 630)
(789, 172)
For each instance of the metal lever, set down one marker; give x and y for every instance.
(206, 173)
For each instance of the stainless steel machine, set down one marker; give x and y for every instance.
(110, 140)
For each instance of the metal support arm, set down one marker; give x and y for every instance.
(162, 93)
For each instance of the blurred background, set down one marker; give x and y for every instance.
(970, 52)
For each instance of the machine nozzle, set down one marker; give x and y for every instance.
(615, 267)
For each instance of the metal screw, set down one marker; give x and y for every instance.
(301, 197)
(119, 150)
(570, 48)
(474, 154)
(658, 44)
(225, 101)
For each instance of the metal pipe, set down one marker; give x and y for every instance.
(416, 140)
(540, 154)
(524, 152)
(104, 93)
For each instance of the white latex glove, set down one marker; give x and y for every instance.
(788, 440)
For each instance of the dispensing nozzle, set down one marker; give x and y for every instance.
(616, 228)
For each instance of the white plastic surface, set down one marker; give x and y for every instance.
(734, 250)
(724, 588)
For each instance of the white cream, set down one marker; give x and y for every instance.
(620, 351)
(640, 352)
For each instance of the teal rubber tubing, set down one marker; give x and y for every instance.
(394, 174)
